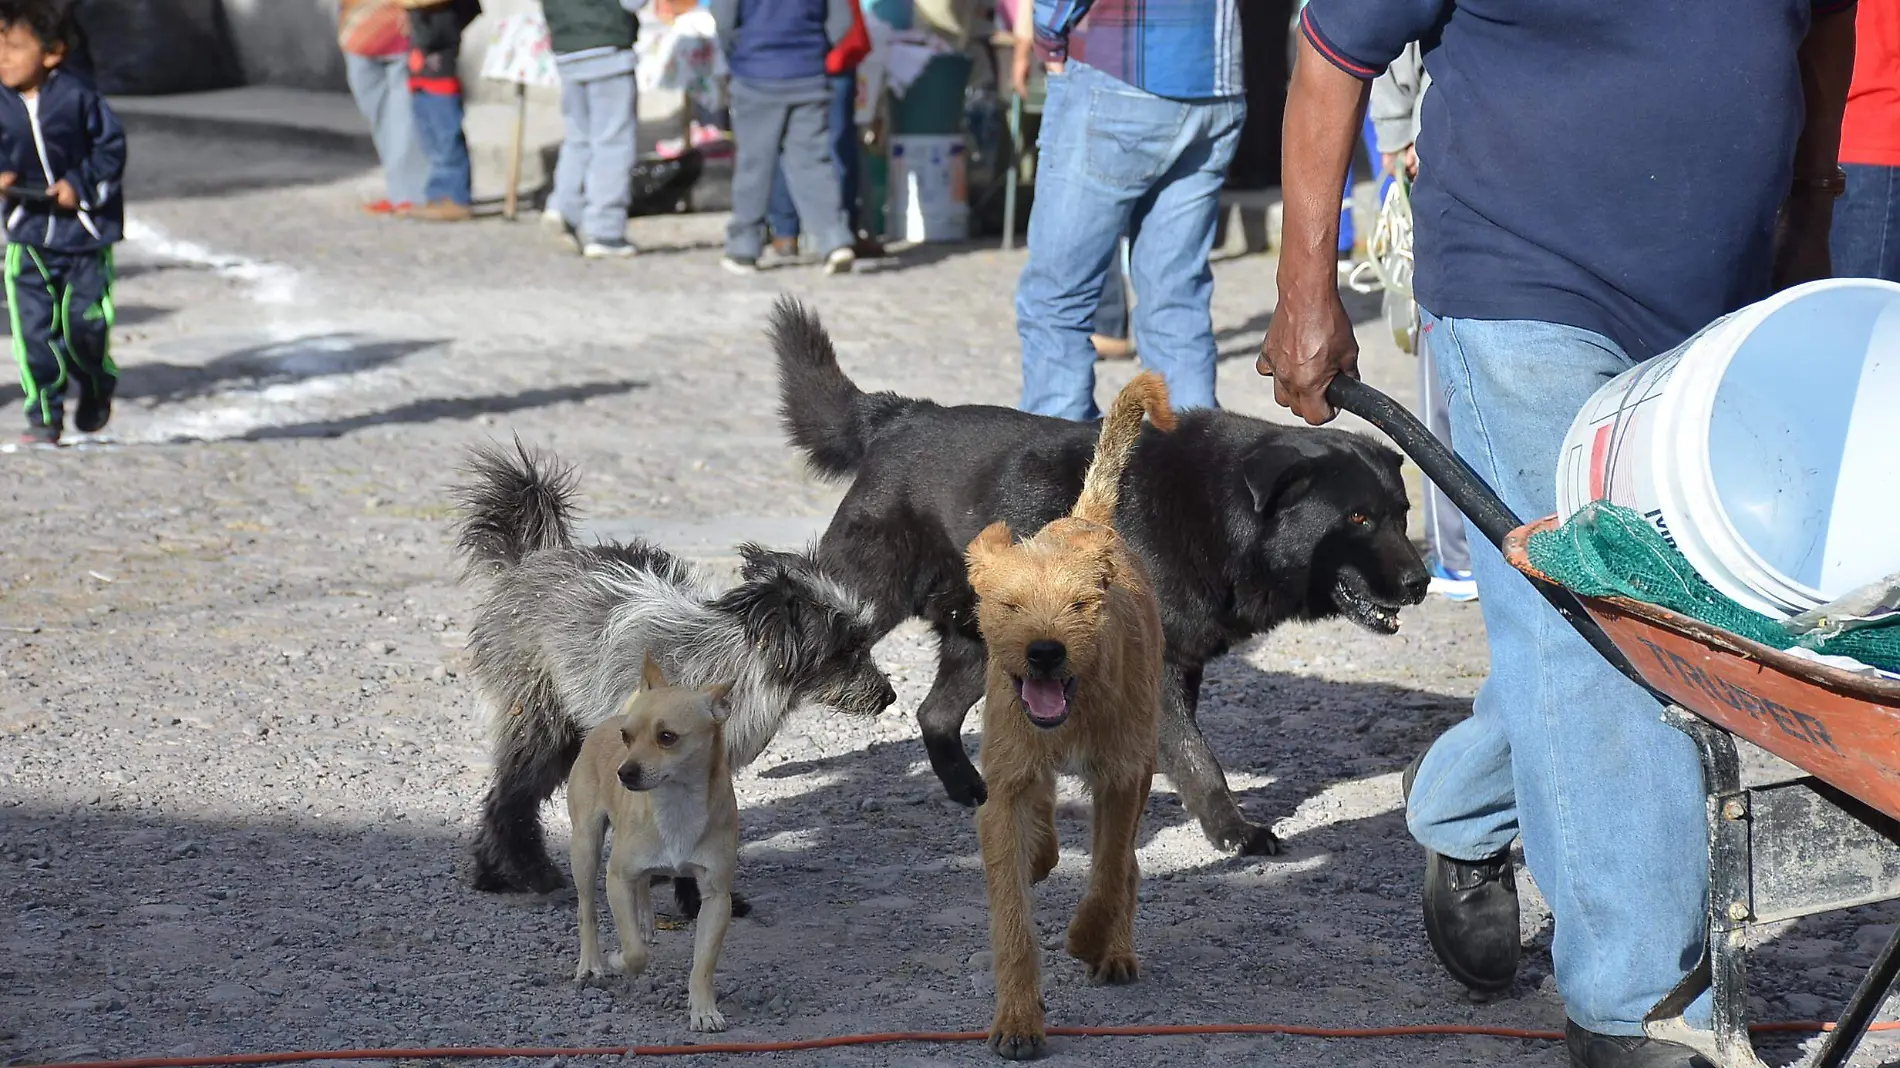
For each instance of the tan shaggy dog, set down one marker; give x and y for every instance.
(1075, 643)
(657, 776)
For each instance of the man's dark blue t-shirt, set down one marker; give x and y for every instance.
(1616, 167)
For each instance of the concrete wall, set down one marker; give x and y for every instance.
(286, 42)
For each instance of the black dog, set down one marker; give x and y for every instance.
(1242, 525)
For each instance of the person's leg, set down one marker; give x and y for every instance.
(757, 123)
(568, 198)
(86, 315)
(1866, 237)
(439, 120)
(1444, 525)
(33, 311)
(611, 117)
(369, 83)
(844, 143)
(405, 160)
(1608, 798)
(806, 157)
(1174, 324)
(1103, 145)
(782, 216)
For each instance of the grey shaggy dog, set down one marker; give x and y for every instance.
(558, 644)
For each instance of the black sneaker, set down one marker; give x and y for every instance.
(1471, 914)
(1591, 1050)
(39, 434)
(92, 414)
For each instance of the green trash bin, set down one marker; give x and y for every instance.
(934, 102)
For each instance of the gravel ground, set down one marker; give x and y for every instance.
(240, 759)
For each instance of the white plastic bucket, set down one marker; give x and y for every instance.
(929, 199)
(1759, 448)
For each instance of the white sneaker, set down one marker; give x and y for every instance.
(609, 250)
(840, 261)
(734, 265)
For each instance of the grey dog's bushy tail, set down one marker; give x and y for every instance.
(515, 502)
(825, 413)
(1121, 429)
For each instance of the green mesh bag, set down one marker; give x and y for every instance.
(1607, 550)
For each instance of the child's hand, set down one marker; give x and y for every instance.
(7, 178)
(65, 195)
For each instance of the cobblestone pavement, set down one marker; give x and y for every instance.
(239, 760)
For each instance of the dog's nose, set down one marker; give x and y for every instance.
(1417, 585)
(886, 696)
(630, 775)
(1045, 655)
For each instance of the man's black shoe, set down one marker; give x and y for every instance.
(1471, 914)
(1591, 1050)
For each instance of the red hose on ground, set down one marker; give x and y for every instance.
(876, 1039)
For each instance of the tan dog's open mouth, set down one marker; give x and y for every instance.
(1046, 700)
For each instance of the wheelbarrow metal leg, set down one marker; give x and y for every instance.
(1861, 1008)
(1723, 969)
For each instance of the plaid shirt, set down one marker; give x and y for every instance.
(1182, 49)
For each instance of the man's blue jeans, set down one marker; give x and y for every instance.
(439, 122)
(1560, 747)
(1115, 160)
(1866, 236)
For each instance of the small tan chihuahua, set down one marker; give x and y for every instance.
(657, 774)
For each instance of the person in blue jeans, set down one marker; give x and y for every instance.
(1142, 117)
(1563, 236)
(435, 89)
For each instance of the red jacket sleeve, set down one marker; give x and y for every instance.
(848, 53)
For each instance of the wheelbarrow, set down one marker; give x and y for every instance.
(1803, 815)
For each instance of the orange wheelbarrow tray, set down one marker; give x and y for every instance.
(1803, 814)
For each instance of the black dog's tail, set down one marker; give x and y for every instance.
(514, 503)
(824, 413)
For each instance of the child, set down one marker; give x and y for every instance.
(776, 50)
(841, 68)
(60, 141)
(435, 91)
(593, 179)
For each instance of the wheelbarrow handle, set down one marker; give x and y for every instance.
(1474, 497)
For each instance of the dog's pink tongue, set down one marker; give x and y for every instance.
(1044, 698)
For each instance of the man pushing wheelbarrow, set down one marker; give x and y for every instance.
(1595, 185)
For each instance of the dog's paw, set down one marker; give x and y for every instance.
(1117, 968)
(708, 1019)
(618, 963)
(965, 785)
(1018, 1033)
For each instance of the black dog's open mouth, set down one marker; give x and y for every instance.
(1046, 700)
(1359, 605)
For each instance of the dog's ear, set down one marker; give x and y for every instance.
(774, 619)
(1280, 469)
(994, 539)
(721, 701)
(651, 677)
(758, 563)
